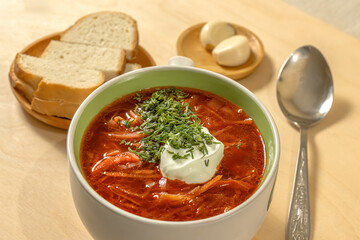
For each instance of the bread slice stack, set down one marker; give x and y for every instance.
(53, 88)
(95, 49)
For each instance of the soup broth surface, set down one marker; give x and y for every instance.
(114, 168)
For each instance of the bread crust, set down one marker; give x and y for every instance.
(27, 77)
(62, 109)
(55, 91)
(24, 88)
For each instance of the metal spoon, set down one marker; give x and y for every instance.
(305, 95)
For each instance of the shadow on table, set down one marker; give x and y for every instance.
(272, 228)
(260, 77)
(39, 125)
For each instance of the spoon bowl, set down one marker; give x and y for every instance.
(305, 87)
(305, 94)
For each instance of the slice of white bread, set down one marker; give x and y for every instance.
(131, 66)
(54, 80)
(109, 60)
(54, 108)
(105, 29)
(60, 108)
(26, 89)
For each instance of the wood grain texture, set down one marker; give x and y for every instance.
(36, 201)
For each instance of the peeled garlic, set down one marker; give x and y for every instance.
(232, 51)
(213, 32)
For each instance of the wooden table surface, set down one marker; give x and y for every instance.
(35, 197)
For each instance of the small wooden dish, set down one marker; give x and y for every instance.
(35, 49)
(189, 45)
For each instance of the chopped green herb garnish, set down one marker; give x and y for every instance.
(207, 162)
(138, 96)
(238, 144)
(127, 143)
(169, 119)
(191, 150)
(178, 156)
(126, 123)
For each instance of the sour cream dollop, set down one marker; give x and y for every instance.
(197, 169)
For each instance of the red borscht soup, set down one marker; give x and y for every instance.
(121, 152)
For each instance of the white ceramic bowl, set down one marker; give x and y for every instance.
(105, 221)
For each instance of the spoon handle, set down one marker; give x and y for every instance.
(298, 227)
